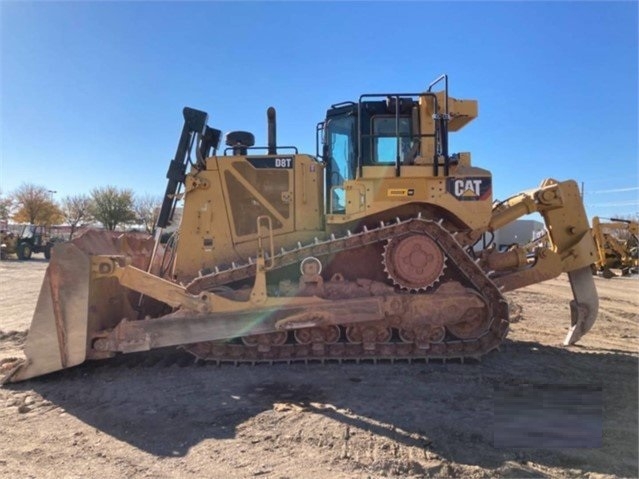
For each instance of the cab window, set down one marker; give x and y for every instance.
(340, 139)
(341, 148)
(387, 132)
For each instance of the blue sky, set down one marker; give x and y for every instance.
(92, 92)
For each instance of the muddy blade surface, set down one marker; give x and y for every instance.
(60, 328)
(58, 334)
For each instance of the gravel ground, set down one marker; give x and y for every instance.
(154, 419)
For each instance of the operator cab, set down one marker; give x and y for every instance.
(385, 132)
(386, 135)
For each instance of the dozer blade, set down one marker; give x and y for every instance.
(57, 337)
(584, 308)
(72, 306)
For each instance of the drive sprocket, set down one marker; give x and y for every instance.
(414, 262)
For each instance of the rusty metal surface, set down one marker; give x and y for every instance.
(414, 262)
(417, 326)
(58, 333)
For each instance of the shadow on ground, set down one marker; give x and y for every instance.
(37, 258)
(444, 409)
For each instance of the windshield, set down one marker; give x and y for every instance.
(28, 231)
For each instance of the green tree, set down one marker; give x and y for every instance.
(35, 206)
(5, 207)
(112, 206)
(76, 210)
(147, 210)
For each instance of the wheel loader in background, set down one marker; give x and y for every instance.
(363, 251)
(32, 239)
(617, 245)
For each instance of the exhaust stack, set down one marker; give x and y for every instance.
(272, 131)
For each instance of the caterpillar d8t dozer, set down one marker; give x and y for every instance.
(368, 249)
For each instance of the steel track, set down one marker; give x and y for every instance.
(449, 348)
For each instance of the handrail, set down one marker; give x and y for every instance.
(294, 148)
(397, 96)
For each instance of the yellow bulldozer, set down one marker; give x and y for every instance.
(366, 250)
(617, 243)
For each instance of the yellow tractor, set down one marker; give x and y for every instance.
(8, 242)
(617, 244)
(32, 239)
(365, 250)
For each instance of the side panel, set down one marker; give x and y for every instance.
(466, 194)
(309, 194)
(205, 237)
(223, 202)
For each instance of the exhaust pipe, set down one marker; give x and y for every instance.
(272, 131)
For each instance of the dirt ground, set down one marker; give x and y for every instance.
(113, 420)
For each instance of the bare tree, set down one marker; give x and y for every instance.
(147, 210)
(76, 211)
(35, 206)
(112, 206)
